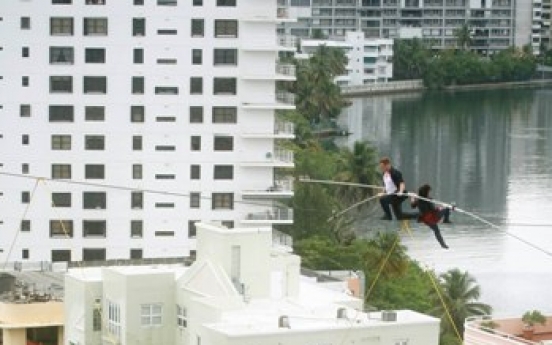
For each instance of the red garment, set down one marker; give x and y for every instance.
(430, 217)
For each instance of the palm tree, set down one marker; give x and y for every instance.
(356, 166)
(463, 36)
(460, 293)
(386, 246)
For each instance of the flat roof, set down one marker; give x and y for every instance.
(95, 274)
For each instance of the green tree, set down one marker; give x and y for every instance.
(317, 34)
(410, 59)
(356, 166)
(386, 246)
(463, 36)
(461, 294)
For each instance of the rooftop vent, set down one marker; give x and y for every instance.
(283, 322)
(388, 316)
(342, 313)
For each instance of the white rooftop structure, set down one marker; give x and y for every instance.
(243, 289)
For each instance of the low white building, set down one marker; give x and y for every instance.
(370, 59)
(245, 288)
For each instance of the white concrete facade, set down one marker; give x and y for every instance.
(370, 60)
(241, 290)
(198, 77)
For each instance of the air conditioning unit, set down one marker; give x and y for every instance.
(388, 316)
(283, 322)
(342, 313)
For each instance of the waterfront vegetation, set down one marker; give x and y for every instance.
(414, 60)
(330, 243)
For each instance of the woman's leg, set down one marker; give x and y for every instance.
(438, 235)
(444, 214)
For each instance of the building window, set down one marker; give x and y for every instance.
(62, 2)
(222, 201)
(25, 168)
(94, 171)
(167, 61)
(226, 28)
(25, 23)
(61, 142)
(136, 254)
(97, 318)
(113, 319)
(95, 26)
(25, 110)
(165, 148)
(136, 228)
(25, 139)
(25, 81)
(25, 225)
(61, 255)
(138, 85)
(138, 56)
(137, 171)
(198, 27)
(223, 172)
(25, 254)
(181, 317)
(195, 143)
(228, 224)
(61, 171)
(196, 114)
(195, 172)
(61, 228)
(222, 3)
(25, 52)
(61, 200)
(197, 56)
(224, 86)
(196, 86)
(94, 142)
(166, 90)
(94, 200)
(137, 143)
(25, 197)
(96, 85)
(95, 2)
(138, 2)
(167, 2)
(165, 119)
(137, 200)
(225, 57)
(195, 200)
(164, 205)
(137, 113)
(61, 26)
(93, 254)
(61, 84)
(167, 32)
(94, 228)
(165, 176)
(62, 55)
(223, 143)
(138, 26)
(151, 315)
(225, 115)
(94, 113)
(94, 55)
(61, 113)
(192, 229)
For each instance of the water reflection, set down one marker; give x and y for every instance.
(491, 152)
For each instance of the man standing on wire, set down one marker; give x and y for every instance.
(395, 192)
(430, 215)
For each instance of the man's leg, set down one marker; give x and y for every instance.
(385, 201)
(396, 204)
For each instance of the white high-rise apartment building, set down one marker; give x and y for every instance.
(170, 96)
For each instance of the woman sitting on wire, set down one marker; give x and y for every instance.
(429, 214)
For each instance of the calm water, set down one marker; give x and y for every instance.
(491, 153)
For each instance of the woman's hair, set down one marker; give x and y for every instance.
(423, 191)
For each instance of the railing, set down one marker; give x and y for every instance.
(405, 85)
(475, 334)
(283, 155)
(273, 214)
(285, 69)
(279, 239)
(282, 13)
(284, 128)
(287, 41)
(285, 98)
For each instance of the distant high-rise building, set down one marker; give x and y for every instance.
(495, 24)
(145, 116)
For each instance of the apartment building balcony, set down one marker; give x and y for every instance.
(281, 188)
(280, 158)
(274, 215)
(282, 43)
(282, 130)
(284, 72)
(282, 241)
(282, 101)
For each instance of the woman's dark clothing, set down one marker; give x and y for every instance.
(430, 216)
